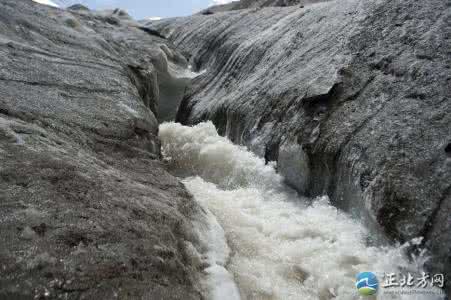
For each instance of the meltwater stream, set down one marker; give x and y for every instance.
(282, 246)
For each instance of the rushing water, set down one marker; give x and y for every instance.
(282, 246)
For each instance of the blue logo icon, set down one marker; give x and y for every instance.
(367, 283)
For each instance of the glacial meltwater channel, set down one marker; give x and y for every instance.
(282, 246)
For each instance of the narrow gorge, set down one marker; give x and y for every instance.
(254, 150)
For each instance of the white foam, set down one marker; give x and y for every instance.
(191, 74)
(219, 282)
(184, 73)
(283, 247)
(201, 151)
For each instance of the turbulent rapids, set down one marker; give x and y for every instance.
(283, 246)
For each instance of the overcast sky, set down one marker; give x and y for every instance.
(141, 9)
